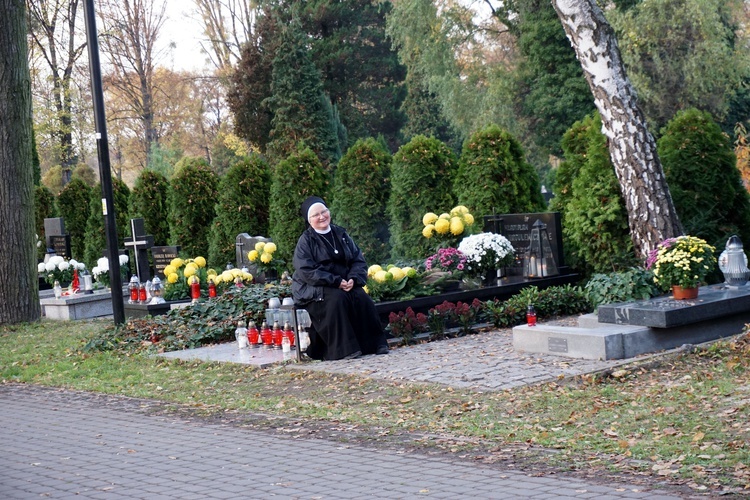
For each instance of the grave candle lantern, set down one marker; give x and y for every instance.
(266, 335)
(278, 335)
(133, 286)
(142, 293)
(211, 289)
(157, 289)
(289, 334)
(733, 263)
(253, 335)
(195, 289)
(539, 261)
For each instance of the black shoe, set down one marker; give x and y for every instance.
(383, 349)
(353, 355)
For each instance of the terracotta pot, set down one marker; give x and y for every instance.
(679, 293)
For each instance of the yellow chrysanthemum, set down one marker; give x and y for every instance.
(429, 218)
(172, 278)
(445, 215)
(397, 273)
(428, 230)
(456, 226)
(192, 279)
(380, 276)
(253, 255)
(247, 277)
(216, 279)
(177, 262)
(190, 270)
(200, 261)
(442, 226)
(270, 247)
(235, 272)
(468, 219)
(266, 258)
(410, 272)
(226, 276)
(169, 269)
(259, 246)
(459, 210)
(367, 290)
(211, 272)
(373, 269)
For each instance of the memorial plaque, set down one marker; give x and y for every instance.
(163, 255)
(558, 344)
(59, 244)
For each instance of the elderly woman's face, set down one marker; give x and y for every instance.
(319, 217)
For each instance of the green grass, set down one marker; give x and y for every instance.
(686, 420)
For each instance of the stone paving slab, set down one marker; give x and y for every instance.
(66, 444)
(484, 361)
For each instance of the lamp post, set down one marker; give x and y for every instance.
(105, 174)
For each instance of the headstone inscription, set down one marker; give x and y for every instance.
(243, 244)
(517, 228)
(163, 255)
(58, 242)
(139, 242)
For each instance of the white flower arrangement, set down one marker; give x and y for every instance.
(59, 269)
(101, 269)
(486, 252)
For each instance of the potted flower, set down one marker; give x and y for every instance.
(681, 264)
(486, 253)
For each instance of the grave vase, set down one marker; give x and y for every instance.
(680, 293)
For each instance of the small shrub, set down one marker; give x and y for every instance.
(406, 324)
(466, 315)
(634, 284)
(552, 301)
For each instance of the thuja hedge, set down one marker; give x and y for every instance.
(298, 176)
(191, 202)
(74, 204)
(421, 181)
(149, 200)
(96, 240)
(493, 174)
(360, 194)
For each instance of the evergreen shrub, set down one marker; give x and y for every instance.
(360, 194)
(595, 220)
(298, 176)
(191, 205)
(96, 240)
(74, 204)
(701, 171)
(242, 207)
(493, 175)
(421, 178)
(149, 200)
(553, 301)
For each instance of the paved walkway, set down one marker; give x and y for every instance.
(65, 444)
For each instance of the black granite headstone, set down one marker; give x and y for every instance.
(163, 255)
(517, 228)
(139, 242)
(58, 242)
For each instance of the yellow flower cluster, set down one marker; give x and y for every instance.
(390, 274)
(454, 223)
(262, 253)
(191, 268)
(684, 261)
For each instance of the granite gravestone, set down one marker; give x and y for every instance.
(58, 242)
(517, 228)
(139, 242)
(163, 255)
(243, 244)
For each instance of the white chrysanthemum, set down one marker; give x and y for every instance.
(123, 260)
(50, 266)
(55, 259)
(62, 266)
(41, 267)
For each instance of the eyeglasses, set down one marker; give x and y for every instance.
(322, 213)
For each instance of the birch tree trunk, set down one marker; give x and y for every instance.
(19, 287)
(651, 213)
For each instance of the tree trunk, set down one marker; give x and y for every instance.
(651, 213)
(19, 292)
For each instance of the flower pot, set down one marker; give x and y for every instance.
(679, 293)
